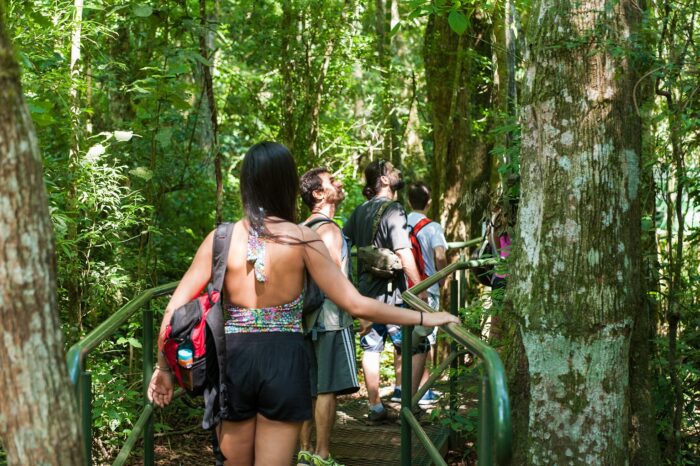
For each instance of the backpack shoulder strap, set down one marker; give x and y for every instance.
(222, 243)
(316, 223)
(378, 218)
(419, 226)
(215, 320)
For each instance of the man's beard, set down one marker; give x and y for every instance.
(397, 184)
(335, 196)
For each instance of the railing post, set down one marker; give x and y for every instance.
(485, 457)
(85, 387)
(148, 437)
(406, 392)
(454, 366)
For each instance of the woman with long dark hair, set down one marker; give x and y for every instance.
(267, 368)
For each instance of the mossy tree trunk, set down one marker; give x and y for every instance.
(38, 415)
(459, 91)
(575, 286)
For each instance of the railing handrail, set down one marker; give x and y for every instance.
(496, 380)
(78, 352)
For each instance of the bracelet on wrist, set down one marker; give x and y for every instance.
(421, 318)
(163, 368)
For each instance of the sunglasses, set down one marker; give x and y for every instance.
(382, 167)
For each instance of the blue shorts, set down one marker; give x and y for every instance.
(375, 339)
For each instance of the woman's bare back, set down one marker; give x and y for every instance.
(283, 266)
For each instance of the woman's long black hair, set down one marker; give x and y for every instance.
(269, 184)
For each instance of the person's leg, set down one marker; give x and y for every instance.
(397, 368)
(237, 442)
(394, 332)
(372, 345)
(324, 415)
(305, 435)
(426, 373)
(417, 367)
(370, 366)
(275, 441)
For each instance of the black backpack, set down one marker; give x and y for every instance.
(313, 296)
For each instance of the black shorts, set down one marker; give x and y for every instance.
(267, 373)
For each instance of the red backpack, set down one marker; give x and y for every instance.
(198, 327)
(415, 248)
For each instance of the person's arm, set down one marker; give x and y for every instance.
(440, 260)
(160, 389)
(330, 234)
(191, 284)
(339, 289)
(394, 226)
(409, 264)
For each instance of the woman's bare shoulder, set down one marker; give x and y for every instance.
(292, 231)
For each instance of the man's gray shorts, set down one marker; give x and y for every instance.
(333, 366)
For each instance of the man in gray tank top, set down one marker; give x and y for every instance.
(329, 330)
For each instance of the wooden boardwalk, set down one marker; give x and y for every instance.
(355, 443)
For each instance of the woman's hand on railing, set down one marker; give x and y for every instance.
(434, 319)
(160, 389)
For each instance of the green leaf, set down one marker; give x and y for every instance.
(143, 11)
(134, 342)
(201, 59)
(458, 22)
(41, 20)
(142, 172)
(163, 137)
(35, 107)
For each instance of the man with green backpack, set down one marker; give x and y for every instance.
(379, 229)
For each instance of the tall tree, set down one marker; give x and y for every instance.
(309, 44)
(38, 415)
(206, 50)
(73, 280)
(576, 272)
(460, 90)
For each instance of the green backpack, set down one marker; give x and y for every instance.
(381, 262)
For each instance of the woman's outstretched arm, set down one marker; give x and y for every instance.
(341, 291)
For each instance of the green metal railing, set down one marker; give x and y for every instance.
(82, 379)
(494, 429)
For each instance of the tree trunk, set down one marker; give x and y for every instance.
(38, 416)
(461, 161)
(73, 282)
(207, 50)
(644, 443)
(575, 285)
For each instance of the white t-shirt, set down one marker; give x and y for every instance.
(430, 237)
